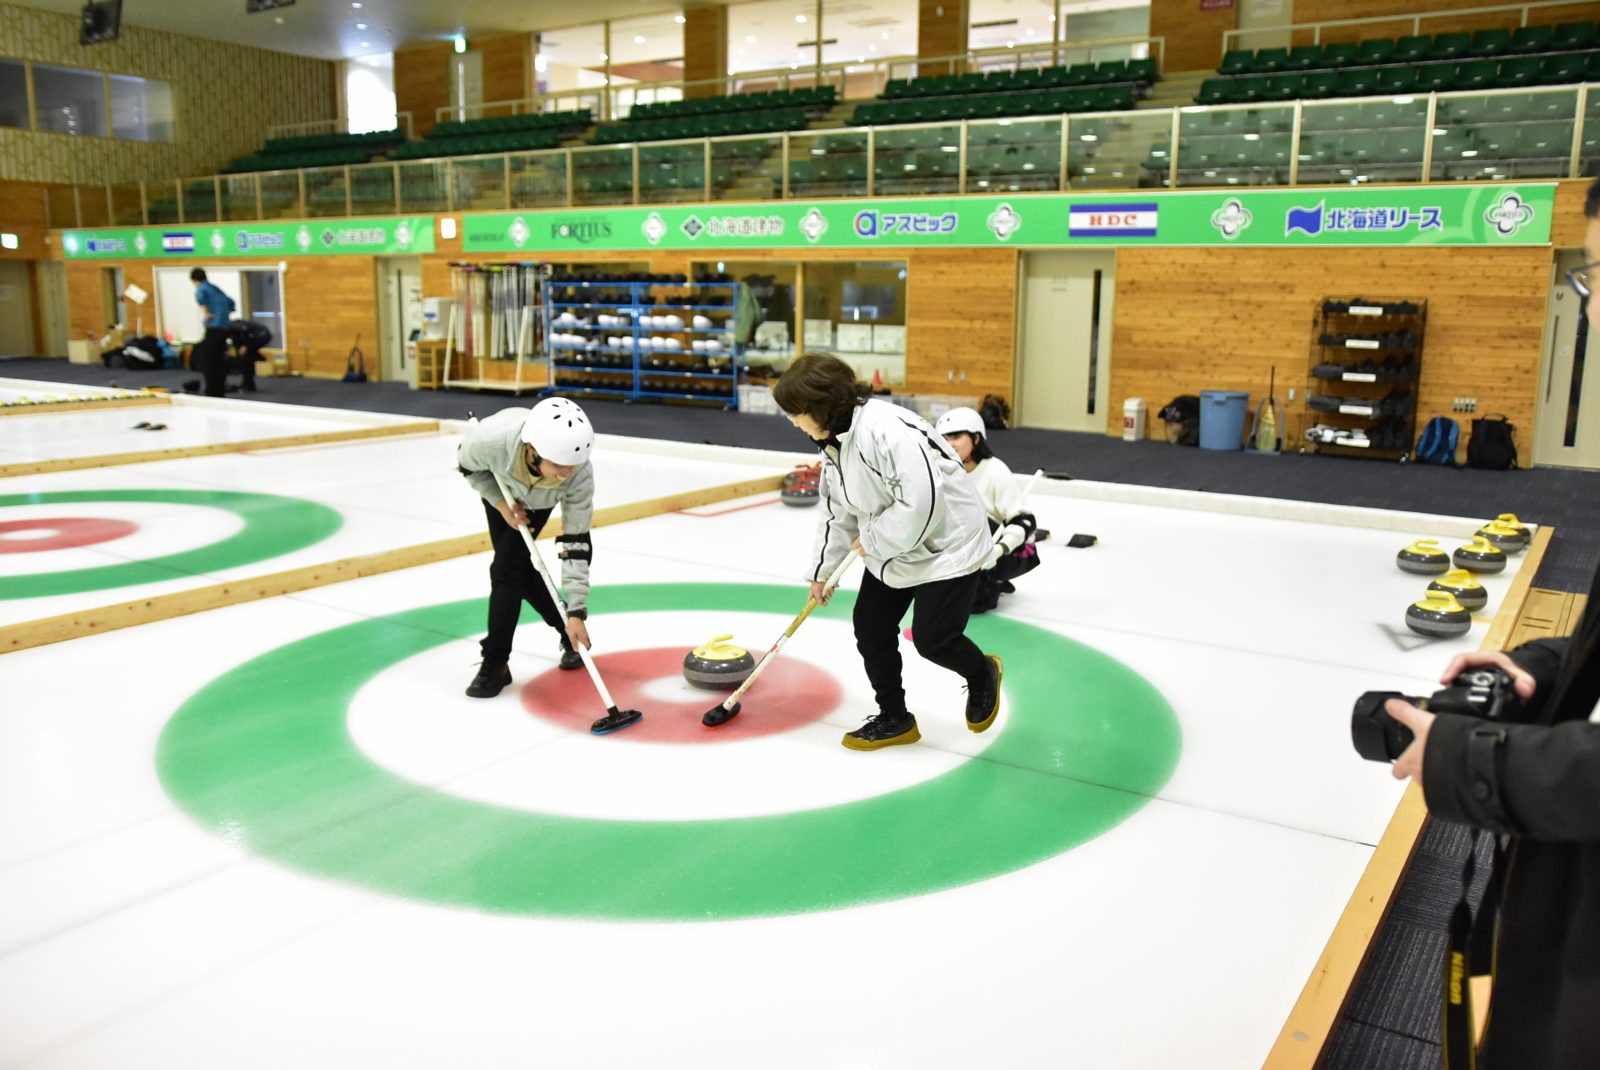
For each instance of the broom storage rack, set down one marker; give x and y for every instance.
(645, 340)
(1365, 367)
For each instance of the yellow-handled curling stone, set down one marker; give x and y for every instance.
(1508, 535)
(1424, 558)
(718, 666)
(1438, 615)
(1467, 590)
(1480, 555)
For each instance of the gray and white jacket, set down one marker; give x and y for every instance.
(896, 484)
(492, 446)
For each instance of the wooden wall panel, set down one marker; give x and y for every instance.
(1568, 226)
(507, 60)
(705, 47)
(961, 309)
(422, 82)
(1325, 10)
(24, 216)
(328, 301)
(1193, 37)
(1193, 319)
(85, 307)
(941, 31)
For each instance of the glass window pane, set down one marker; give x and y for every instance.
(1233, 147)
(857, 311)
(922, 159)
(1013, 154)
(1361, 141)
(770, 35)
(70, 101)
(13, 93)
(369, 93)
(569, 59)
(141, 108)
(645, 53)
(263, 302)
(1502, 135)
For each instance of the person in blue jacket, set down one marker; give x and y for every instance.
(210, 356)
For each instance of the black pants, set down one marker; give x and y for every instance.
(244, 362)
(938, 627)
(512, 578)
(209, 358)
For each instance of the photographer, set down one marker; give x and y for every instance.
(1536, 781)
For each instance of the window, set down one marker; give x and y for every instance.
(857, 311)
(263, 302)
(70, 101)
(14, 93)
(141, 108)
(369, 93)
(573, 58)
(646, 50)
(772, 35)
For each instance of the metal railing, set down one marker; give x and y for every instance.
(1231, 38)
(402, 120)
(1515, 134)
(860, 78)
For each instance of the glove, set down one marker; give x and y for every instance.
(996, 552)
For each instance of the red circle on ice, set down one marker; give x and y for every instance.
(61, 533)
(790, 693)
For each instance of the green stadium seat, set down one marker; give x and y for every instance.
(1360, 82)
(1519, 72)
(1544, 141)
(1491, 42)
(1215, 91)
(1078, 74)
(1339, 55)
(1270, 60)
(1112, 70)
(1414, 49)
(1142, 70)
(1249, 89)
(1371, 53)
(1526, 39)
(1397, 79)
(1320, 85)
(1452, 46)
(1115, 98)
(1478, 74)
(1591, 67)
(1436, 78)
(1282, 87)
(1562, 69)
(1237, 61)
(1574, 36)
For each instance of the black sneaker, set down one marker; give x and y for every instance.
(884, 730)
(493, 677)
(983, 698)
(570, 658)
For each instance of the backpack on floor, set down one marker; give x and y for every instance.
(1182, 416)
(1493, 443)
(1438, 442)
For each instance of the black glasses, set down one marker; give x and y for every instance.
(1578, 278)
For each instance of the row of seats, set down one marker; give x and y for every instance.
(511, 141)
(289, 161)
(1522, 72)
(1109, 72)
(503, 124)
(995, 106)
(723, 125)
(373, 141)
(812, 97)
(1455, 153)
(1568, 37)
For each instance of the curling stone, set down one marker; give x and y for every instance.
(1424, 558)
(718, 666)
(803, 486)
(1510, 520)
(1439, 615)
(1480, 555)
(1466, 589)
(1508, 538)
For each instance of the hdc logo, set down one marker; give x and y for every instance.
(1112, 220)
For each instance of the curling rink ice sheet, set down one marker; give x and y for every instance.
(84, 539)
(278, 834)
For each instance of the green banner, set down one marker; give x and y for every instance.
(1359, 216)
(376, 236)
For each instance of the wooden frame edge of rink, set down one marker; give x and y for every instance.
(84, 405)
(66, 626)
(111, 460)
(1311, 1022)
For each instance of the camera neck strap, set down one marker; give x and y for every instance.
(1470, 952)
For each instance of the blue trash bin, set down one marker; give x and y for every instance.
(1222, 416)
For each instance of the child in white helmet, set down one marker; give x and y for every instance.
(542, 454)
(1013, 554)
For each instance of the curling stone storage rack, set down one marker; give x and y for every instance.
(662, 338)
(496, 327)
(1364, 371)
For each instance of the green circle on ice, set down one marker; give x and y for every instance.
(273, 526)
(262, 756)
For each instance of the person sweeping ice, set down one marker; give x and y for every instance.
(894, 491)
(542, 457)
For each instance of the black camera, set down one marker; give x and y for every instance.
(1487, 693)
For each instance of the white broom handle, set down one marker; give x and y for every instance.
(794, 625)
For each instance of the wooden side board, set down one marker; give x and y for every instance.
(1311, 1023)
(109, 460)
(83, 404)
(214, 596)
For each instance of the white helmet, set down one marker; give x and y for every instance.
(559, 431)
(956, 421)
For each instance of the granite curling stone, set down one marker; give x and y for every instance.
(1438, 615)
(1480, 555)
(1466, 589)
(718, 666)
(1424, 558)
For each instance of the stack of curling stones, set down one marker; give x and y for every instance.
(803, 486)
(719, 665)
(1446, 608)
(1439, 615)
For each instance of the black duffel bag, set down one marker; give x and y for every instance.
(1493, 443)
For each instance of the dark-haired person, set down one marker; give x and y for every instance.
(209, 357)
(1013, 552)
(893, 490)
(1536, 781)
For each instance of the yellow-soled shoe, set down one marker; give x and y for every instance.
(883, 731)
(983, 699)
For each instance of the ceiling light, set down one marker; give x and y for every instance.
(884, 35)
(799, 18)
(749, 38)
(375, 61)
(357, 6)
(361, 25)
(638, 39)
(604, 57)
(461, 43)
(872, 48)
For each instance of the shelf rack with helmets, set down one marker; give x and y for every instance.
(1365, 367)
(655, 337)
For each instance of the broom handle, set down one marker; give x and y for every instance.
(794, 626)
